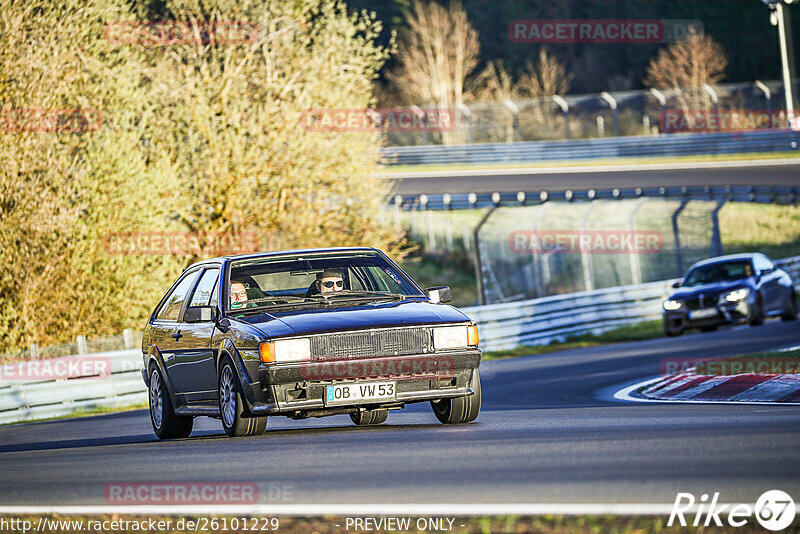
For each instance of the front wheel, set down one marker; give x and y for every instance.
(460, 409)
(757, 314)
(231, 406)
(791, 309)
(166, 424)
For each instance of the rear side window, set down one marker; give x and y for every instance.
(171, 308)
(205, 288)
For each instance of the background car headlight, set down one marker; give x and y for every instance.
(450, 337)
(286, 350)
(737, 294)
(672, 305)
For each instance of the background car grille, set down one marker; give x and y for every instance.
(369, 343)
(705, 302)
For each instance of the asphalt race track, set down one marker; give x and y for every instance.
(549, 432)
(784, 172)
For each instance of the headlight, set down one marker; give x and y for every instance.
(286, 350)
(450, 337)
(672, 305)
(736, 295)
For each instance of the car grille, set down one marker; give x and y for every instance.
(706, 302)
(370, 343)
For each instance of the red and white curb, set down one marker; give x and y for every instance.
(747, 388)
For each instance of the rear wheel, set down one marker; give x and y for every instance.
(231, 406)
(757, 314)
(460, 409)
(166, 424)
(370, 417)
(674, 333)
(791, 308)
(710, 328)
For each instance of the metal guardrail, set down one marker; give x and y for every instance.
(502, 326)
(614, 147)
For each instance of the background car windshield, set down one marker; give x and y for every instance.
(296, 276)
(718, 272)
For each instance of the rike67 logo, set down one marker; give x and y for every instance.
(774, 510)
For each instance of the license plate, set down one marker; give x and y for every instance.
(702, 314)
(359, 392)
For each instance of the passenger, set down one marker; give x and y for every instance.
(238, 295)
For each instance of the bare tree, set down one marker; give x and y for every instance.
(437, 50)
(685, 66)
(545, 79)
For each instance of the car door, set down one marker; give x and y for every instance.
(195, 357)
(165, 331)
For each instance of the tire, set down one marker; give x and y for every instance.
(674, 333)
(166, 424)
(712, 328)
(231, 406)
(460, 409)
(370, 417)
(791, 311)
(757, 315)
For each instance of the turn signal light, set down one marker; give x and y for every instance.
(267, 351)
(472, 335)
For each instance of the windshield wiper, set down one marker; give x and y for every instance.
(357, 294)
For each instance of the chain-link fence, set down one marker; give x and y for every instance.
(618, 113)
(563, 247)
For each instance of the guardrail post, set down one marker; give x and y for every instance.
(127, 338)
(636, 265)
(662, 101)
(478, 261)
(768, 95)
(716, 238)
(467, 119)
(514, 117)
(34, 351)
(612, 103)
(714, 100)
(676, 234)
(586, 261)
(565, 110)
(82, 348)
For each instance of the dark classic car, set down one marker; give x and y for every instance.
(306, 333)
(738, 288)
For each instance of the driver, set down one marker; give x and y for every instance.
(329, 280)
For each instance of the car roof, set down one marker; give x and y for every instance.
(223, 259)
(729, 257)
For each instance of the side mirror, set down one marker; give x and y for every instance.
(200, 314)
(439, 294)
(676, 284)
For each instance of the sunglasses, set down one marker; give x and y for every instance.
(330, 283)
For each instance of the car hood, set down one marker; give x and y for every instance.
(373, 315)
(709, 290)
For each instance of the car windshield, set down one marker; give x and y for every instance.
(315, 280)
(718, 272)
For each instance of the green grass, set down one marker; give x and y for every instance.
(636, 332)
(589, 163)
(772, 230)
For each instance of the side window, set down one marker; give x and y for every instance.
(171, 308)
(205, 288)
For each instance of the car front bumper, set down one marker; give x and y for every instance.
(300, 388)
(727, 313)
